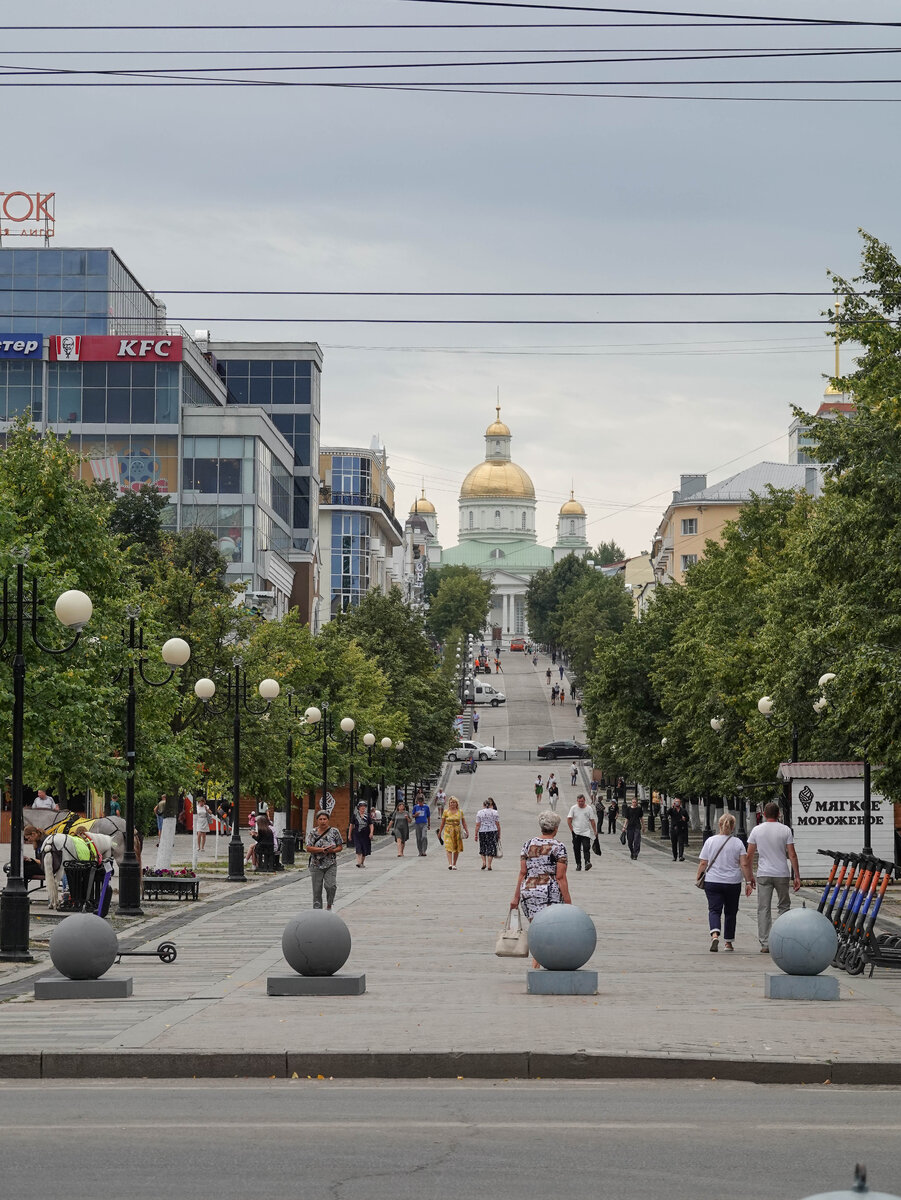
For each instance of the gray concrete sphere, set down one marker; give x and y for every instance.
(316, 943)
(562, 937)
(83, 946)
(802, 942)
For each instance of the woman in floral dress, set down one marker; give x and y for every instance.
(542, 871)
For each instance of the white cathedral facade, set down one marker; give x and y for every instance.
(497, 534)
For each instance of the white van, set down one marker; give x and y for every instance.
(484, 693)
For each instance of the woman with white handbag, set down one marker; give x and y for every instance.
(542, 871)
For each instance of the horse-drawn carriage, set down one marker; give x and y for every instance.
(91, 845)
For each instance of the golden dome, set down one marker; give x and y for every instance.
(421, 505)
(572, 508)
(498, 478)
(497, 428)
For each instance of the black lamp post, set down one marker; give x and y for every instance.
(236, 697)
(73, 609)
(175, 654)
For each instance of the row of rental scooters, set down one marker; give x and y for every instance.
(851, 900)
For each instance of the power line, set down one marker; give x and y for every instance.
(438, 294)
(823, 322)
(654, 12)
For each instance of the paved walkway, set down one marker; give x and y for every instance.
(425, 938)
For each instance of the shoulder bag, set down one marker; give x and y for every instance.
(699, 883)
(513, 941)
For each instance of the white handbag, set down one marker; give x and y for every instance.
(513, 941)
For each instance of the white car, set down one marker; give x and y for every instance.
(465, 748)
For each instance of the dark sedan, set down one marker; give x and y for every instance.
(563, 750)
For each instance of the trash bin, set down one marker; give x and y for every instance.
(79, 880)
(288, 846)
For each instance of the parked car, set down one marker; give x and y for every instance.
(518, 644)
(465, 748)
(563, 749)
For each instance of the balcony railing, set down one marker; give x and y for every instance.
(359, 500)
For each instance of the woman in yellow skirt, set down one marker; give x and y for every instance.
(453, 830)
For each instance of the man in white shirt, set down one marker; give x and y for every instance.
(777, 866)
(583, 825)
(42, 800)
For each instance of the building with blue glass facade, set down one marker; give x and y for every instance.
(144, 403)
(360, 536)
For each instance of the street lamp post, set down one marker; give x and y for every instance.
(766, 705)
(236, 695)
(73, 609)
(175, 654)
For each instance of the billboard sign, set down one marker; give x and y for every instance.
(21, 345)
(72, 348)
(827, 814)
(27, 214)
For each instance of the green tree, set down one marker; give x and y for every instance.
(461, 603)
(59, 526)
(546, 595)
(594, 607)
(607, 553)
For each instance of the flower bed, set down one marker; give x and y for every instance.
(168, 873)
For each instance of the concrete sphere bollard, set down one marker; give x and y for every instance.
(803, 942)
(316, 943)
(562, 937)
(83, 946)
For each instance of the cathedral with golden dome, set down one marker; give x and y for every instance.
(497, 533)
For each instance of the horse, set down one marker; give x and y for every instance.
(60, 848)
(114, 827)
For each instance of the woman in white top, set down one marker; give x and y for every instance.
(488, 831)
(722, 871)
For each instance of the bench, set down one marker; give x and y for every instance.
(268, 861)
(170, 887)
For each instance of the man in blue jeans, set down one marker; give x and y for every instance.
(422, 823)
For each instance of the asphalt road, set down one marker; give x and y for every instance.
(451, 1141)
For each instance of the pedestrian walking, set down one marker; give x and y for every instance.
(594, 790)
(202, 817)
(554, 694)
(562, 696)
(422, 823)
(612, 814)
(678, 829)
(542, 871)
(548, 675)
(497, 665)
(475, 722)
(722, 863)
(400, 826)
(572, 691)
(777, 865)
(159, 811)
(579, 707)
(583, 826)
(324, 845)
(440, 801)
(115, 808)
(633, 824)
(539, 790)
(573, 775)
(534, 660)
(488, 831)
(553, 793)
(561, 672)
(360, 831)
(453, 830)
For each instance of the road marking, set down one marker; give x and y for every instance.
(301, 1125)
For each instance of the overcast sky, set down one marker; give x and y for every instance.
(362, 189)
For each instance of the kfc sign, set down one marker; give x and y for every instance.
(67, 348)
(34, 214)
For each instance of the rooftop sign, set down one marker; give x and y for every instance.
(27, 214)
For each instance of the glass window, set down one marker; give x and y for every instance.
(142, 406)
(94, 405)
(118, 405)
(689, 526)
(283, 391)
(260, 390)
(688, 560)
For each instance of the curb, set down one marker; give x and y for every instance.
(190, 1064)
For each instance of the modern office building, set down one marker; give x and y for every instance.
(360, 536)
(88, 351)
